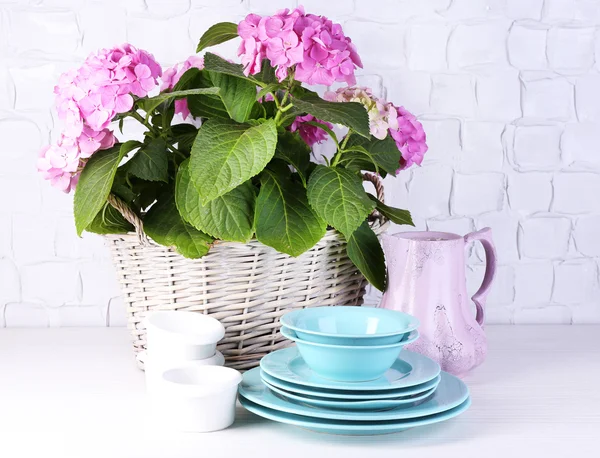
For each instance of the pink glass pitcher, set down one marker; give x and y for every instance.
(427, 279)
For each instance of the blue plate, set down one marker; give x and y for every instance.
(352, 428)
(450, 393)
(372, 405)
(349, 395)
(408, 370)
(341, 325)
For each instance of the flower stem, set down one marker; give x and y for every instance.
(138, 117)
(340, 150)
(345, 140)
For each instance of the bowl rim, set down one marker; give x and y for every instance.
(413, 323)
(291, 335)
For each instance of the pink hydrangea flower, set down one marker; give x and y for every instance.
(87, 100)
(386, 118)
(309, 133)
(172, 76)
(313, 46)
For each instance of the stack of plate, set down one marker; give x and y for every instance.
(413, 392)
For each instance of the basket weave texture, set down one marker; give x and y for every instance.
(247, 287)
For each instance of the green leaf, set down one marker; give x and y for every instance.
(338, 197)
(217, 64)
(226, 154)
(292, 149)
(238, 95)
(229, 217)
(164, 225)
(184, 135)
(96, 181)
(150, 104)
(364, 250)
(350, 114)
(269, 88)
(283, 218)
(267, 73)
(381, 156)
(217, 34)
(109, 221)
(151, 162)
(395, 215)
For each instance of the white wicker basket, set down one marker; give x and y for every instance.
(245, 286)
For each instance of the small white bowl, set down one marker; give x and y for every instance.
(197, 398)
(154, 368)
(182, 336)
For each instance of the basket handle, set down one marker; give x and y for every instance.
(138, 224)
(378, 184)
(130, 216)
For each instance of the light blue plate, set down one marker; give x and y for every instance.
(352, 428)
(408, 370)
(349, 395)
(345, 405)
(450, 393)
(341, 325)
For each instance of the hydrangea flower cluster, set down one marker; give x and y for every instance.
(314, 45)
(171, 77)
(310, 134)
(385, 117)
(87, 100)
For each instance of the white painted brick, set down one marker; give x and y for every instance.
(426, 46)
(453, 95)
(168, 9)
(5, 236)
(368, 38)
(20, 137)
(34, 86)
(545, 237)
(6, 89)
(117, 314)
(54, 201)
(332, 10)
(575, 281)
(394, 10)
(527, 47)
(587, 97)
(19, 315)
(99, 23)
(474, 194)
(571, 48)
(533, 283)
(78, 315)
(467, 9)
(580, 144)
(26, 200)
(67, 245)
(56, 32)
(33, 238)
(548, 99)
(498, 315)
(551, 314)
(429, 191)
(482, 147)
(267, 7)
(410, 89)
(99, 281)
(10, 284)
(499, 96)
(169, 48)
(474, 44)
(524, 9)
(530, 192)
(443, 140)
(504, 232)
(586, 313)
(460, 226)
(576, 193)
(558, 10)
(586, 233)
(537, 147)
(51, 283)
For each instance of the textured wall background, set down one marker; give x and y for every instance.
(508, 91)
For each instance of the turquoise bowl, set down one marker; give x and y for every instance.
(348, 363)
(341, 325)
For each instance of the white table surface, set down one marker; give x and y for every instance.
(77, 393)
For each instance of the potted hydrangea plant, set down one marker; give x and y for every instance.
(226, 160)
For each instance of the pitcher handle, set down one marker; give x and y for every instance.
(485, 237)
